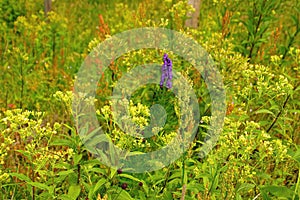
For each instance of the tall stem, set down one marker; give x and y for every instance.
(22, 86)
(297, 185)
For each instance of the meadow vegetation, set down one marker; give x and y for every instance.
(255, 46)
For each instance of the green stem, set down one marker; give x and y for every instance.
(166, 180)
(283, 107)
(33, 179)
(183, 171)
(184, 178)
(291, 41)
(297, 185)
(118, 195)
(22, 86)
(259, 22)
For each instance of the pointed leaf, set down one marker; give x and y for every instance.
(264, 111)
(74, 191)
(22, 177)
(99, 184)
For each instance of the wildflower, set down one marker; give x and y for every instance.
(166, 70)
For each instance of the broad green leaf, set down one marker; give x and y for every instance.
(64, 173)
(112, 173)
(92, 142)
(167, 195)
(238, 197)
(62, 142)
(195, 187)
(265, 195)
(129, 177)
(21, 177)
(74, 191)
(25, 153)
(99, 184)
(141, 195)
(77, 158)
(296, 156)
(245, 187)
(176, 175)
(124, 195)
(112, 152)
(91, 162)
(39, 185)
(62, 165)
(65, 197)
(99, 137)
(279, 191)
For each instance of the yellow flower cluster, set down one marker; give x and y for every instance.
(181, 8)
(4, 148)
(260, 78)
(245, 148)
(64, 96)
(3, 176)
(140, 114)
(295, 54)
(26, 133)
(93, 44)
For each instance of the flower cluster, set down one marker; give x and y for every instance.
(166, 70)
(140, 114)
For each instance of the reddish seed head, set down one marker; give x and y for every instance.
(124, 186)
(140, 184)
(119, 171)
(11, 105)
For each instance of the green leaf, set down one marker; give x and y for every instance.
(92, 142)
(245, 187)
(176, 174)
(296, 156)
(265, 195)
(141, 195)
(97, 170)
(112, 152)
(167, 195)
(64, 197)
(62, 166)
(94, 136)
(99, 184)
(113, 171)
(238, 197)
(64, 173)
(264, 111)
(91, 162)
(39, 185)
(278, 191)
(130, 177)
(124, 195)
(195, 187)
(74, 191)
(25, 153)
(62, 142)
(77, 158)
(22, 177)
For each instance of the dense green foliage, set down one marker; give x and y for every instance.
(256, 47)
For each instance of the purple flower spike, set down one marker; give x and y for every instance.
(166, 72)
